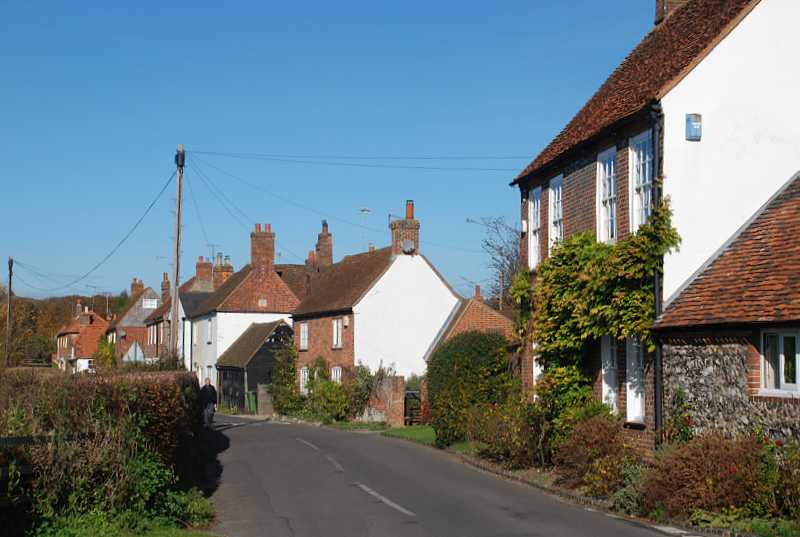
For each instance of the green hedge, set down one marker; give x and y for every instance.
(122, 444)
(470, 369)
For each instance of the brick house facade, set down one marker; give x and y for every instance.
(605, 170)
(128, 327)
(77, 341)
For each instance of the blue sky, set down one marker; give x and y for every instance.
(95, 96)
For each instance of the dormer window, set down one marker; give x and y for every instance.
(149, 303)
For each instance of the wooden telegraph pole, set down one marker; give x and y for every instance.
(8, 312)
(180, 159)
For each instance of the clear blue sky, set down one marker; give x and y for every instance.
(95, 96)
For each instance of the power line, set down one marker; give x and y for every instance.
(355, 164)
(360, 157)
(214, 190)
(197, 209)
(119, 244)
(321, 213)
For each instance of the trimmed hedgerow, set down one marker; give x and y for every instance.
(470, 369)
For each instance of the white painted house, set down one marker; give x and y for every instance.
(381, 307)
(745, 90)
(254, 294)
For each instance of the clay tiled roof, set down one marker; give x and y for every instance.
(158, 313)
(295, 276)
(216, 298)
(248, 344)
(755, 277)
(339, 286)
(662, 58)
(185, 288)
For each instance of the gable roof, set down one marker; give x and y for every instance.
(216, 298)
(185, 289)
(192, 300)
(296, 277)
(754, 277)
(339, 286)
(248, 344)
(482, 317)
(659, 61)
(134, 299)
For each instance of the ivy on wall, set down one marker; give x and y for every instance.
(586, 289)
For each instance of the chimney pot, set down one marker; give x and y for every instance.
(324, 247)
(324, 226)
(258, 228)
(409, 209)
(477, 291)
(267, 228)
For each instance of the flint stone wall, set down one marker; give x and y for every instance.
(713, 374)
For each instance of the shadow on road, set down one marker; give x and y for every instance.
(209, 468)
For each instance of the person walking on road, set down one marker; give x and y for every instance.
(208, 401)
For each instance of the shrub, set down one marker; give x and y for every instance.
(592, 455)
(358, 385)
(627, 499)
(470, 369)
(285, 395)
(678, 423)
(709, 472)
(503, 431)
(327, 401)
(787, 479)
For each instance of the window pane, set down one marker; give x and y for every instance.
(771, 361)
(789, 360)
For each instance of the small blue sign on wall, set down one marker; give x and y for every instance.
(694, 127)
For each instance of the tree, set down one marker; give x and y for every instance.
(501, 243)
(104, 355)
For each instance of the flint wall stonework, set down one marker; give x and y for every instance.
(714, 374)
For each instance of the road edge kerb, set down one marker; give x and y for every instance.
(597, 504)
(602, 506)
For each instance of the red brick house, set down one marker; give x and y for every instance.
(474, 314)
(731, 338)
(383, 307)
(255, 294)
(687, 115)
(77, 341)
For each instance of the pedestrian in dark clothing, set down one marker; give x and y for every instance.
(208, 401)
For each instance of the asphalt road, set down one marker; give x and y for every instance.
(298, 481)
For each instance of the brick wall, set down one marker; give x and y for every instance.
(388, 401)
(320, 342)
(261, 291)
(481, 317)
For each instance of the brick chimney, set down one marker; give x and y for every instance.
(262, 249)
(478, 292)
(665, 7)
(78, 308)
(137, 286)
(165, 288)
(202, 269)
(324, 246)
(223, 269)
(405, 233)
(311, 260)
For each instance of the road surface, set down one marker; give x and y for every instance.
(299, 480)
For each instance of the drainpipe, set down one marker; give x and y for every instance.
(657, 118)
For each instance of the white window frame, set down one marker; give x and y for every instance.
(607, 195)
(336, 374)
(534, 227)
(635, 381)
(304, 380)
(640, 179)
(782, 386)
(610, 373)
(149, 303)
(337, 333)
(555, 204)
(303, 336)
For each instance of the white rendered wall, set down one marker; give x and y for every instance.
(204, 354)
(398, 319)
(747, 91)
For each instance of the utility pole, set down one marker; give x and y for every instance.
(8, 311)
(180, 160)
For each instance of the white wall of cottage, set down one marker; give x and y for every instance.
(746, 90)
(398, 319)
(226, 327)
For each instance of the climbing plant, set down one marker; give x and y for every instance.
(586, 289)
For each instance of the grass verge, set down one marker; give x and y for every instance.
(422, 434)
(359, 426)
